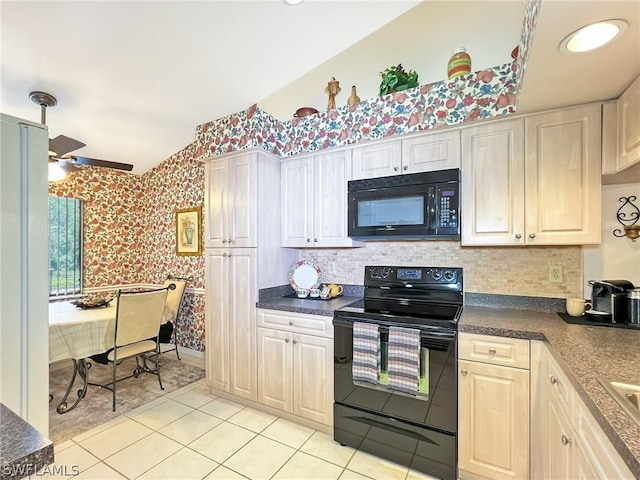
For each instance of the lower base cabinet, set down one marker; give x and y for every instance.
(493, 408)
(295, 371)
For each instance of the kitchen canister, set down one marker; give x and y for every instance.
(459, 63)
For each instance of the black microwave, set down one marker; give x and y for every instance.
(414, 206)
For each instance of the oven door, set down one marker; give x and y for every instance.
(434, 406)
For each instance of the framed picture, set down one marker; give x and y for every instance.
(189, 231)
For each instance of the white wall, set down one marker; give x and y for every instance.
(421, 39)
(615, 258)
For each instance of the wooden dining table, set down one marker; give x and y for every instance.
(77, 334)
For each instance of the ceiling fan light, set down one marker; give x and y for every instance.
(593, 36)
(56, 173)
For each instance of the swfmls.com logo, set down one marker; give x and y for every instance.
(21, 471)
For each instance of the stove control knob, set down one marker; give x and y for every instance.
(449, 275)
(374, 273)
(436, 274)
(385, 272)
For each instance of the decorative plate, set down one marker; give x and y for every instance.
(86, 303)
(304, 274)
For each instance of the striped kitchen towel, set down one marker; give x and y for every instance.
(404, 359)
(366, 352)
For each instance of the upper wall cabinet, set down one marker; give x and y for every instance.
(230, 202)
(314, 201)
(544, 190)
(629, 126)
(422, 153)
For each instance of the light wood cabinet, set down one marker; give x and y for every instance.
(533, 180)
(230, 202)
(420, 153)
(628, 106)
(314, 201)
(242, 212)
(231, 322)
(493, 417)
(567, 442)
(295, 370)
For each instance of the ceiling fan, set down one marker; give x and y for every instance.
(60, 146)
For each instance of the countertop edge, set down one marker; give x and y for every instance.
(34, 454)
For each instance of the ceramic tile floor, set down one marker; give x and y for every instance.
(191, 434)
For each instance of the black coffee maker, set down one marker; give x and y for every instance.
(609, 301)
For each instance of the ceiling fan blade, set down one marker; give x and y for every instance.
(62, 144)
(94, 162)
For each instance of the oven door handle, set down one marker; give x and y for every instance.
(424, 333)
(391, 428)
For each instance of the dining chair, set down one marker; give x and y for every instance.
(138, 319)
(174, 300)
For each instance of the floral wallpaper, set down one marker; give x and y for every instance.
(129, 230)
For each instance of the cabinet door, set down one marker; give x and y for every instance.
(558, 456)
(493, 420)
(217, 315)
(297, 202)
(493, 184)
(242, 322)
(242, 192)
(331, 173)
(313, 378)
(215, 204)
(377, 160)
(629, 126)
(562, 171)
(434, 151)
(582, 466)
(275, 369)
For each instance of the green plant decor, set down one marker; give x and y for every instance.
(395, 78)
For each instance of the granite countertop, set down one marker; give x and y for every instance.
(588, 353)
(23, 450)
(307, 305)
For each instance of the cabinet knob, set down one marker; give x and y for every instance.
(532, 235)
(295, 342)
(315, 240)
(286, 340)
(553, 380)
(518, 236)
(224, 241)
(565, 440)
(229, 241)
(395, 169)
(463, 372)
(492, 351)
(406, 167)
(291, 323)
(224, 254)
(308, 240)
(230, 255)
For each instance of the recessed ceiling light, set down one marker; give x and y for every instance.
(593, 36)
(293, 2)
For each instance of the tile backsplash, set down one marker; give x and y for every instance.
(501, 270)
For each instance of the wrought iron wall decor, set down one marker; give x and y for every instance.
(628, 215)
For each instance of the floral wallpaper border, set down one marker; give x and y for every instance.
(483, 94)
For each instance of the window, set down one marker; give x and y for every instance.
(65, 246)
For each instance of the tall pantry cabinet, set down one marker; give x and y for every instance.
(242, 255)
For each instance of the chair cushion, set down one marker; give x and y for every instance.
(135, 349)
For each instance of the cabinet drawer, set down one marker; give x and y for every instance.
(319, 325)
(510, 352)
